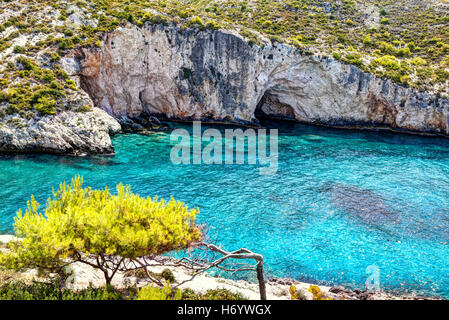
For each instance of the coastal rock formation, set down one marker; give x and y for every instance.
(142, 74)
(175, 73)
(67, 132)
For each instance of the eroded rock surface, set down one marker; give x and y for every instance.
(67, 132)
(178, 73)
(168, 72)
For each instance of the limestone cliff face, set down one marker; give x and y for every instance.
(215, 75)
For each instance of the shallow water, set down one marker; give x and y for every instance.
(340, 201)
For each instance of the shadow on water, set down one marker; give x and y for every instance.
(287, 128)
(433, 226)
(83, 163)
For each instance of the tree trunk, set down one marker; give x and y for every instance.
(107, 278)
(260, 278)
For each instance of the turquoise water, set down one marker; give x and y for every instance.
(340, 201)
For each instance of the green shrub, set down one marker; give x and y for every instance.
(349, 22)
(27, 63)
(195, 22)
(85, 108)
(442, 75)
(64, 44)
(71, 84)
(45, 105)
(68, 32)
(388, 62)
(4, 96)
(212, 294)
(367, 40)
(424, 73)
(418, 61)
(51, 291)
(19, 49)
(388, 48)
(54, 57)
(411, 45)
(213, 25)
(336, 56)
(155, 293)
(78, 223)
(168, 275)
(404, 52)
(48, 77)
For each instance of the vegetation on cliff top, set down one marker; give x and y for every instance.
(405, 40)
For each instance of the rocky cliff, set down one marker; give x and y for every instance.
(178, 73)
(76, 128)
(67, 132)
(170, 72)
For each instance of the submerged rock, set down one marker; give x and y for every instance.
(139, 124)
(363, 203)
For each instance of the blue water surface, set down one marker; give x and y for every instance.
(341, 201)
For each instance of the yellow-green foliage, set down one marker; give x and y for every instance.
(19, 290)
(212, 294)
(388, 62)
(317, 293)
(38, 88)
(296, 294)
(155, 293)
(79, 222)
(293, 293)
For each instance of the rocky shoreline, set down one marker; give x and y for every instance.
(67, 133)
(82, 276)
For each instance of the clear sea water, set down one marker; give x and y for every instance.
(341, 201)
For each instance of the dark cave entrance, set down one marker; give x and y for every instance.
(270, 107)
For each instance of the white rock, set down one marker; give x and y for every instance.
(67, 132)
(5, 238)
(70, 65)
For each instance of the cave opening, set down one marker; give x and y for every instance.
(270, 107)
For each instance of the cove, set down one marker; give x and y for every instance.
(341, 200)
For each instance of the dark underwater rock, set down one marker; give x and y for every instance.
(362, 203)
